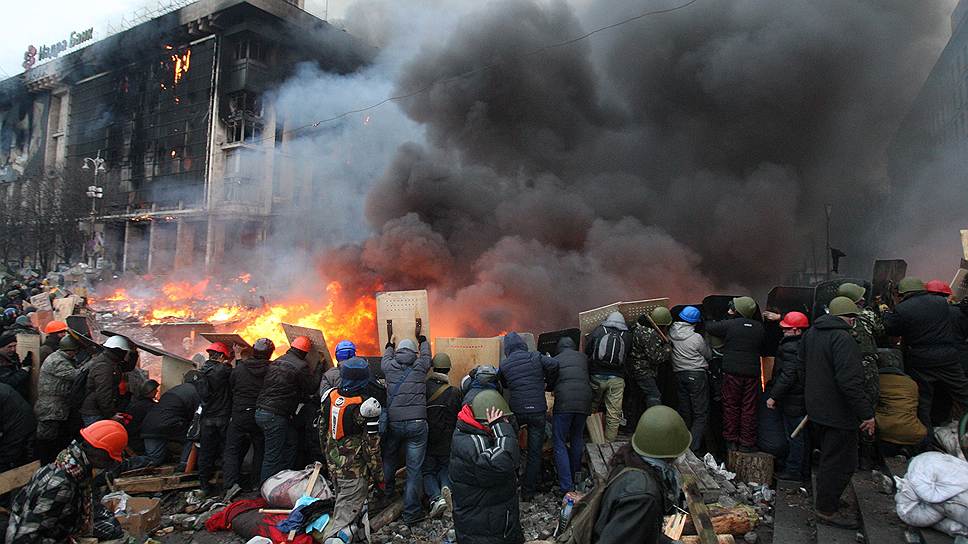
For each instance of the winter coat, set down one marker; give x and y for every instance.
(57, 375)
(649, 352)
(246, 382)
(13, 375)
(17, 428)
(924, 322)
(615, 321)
(525, 376)
(689, 350)
(483, 474)
(897, 410)
(173, 415)
(288, 383)
(573, 390)
(138, 410)
(50, 345)
(632, 510)
(441, 414)
(103, 380)
(789, 377)
(742, 341)
(406, 374)
(959, 327)
(330, 380)
(834, 385)
(218, 392)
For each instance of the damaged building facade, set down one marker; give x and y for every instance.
(194, 162)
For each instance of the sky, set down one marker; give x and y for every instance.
(61, 17)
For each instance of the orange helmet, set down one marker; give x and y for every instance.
(938, 287)
(107, 435)
(302, 343)
(219, 347)
(55, 326)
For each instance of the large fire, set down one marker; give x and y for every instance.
(338, 314)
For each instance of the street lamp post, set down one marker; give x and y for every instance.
(94, 193)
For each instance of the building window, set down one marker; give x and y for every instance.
(244, 130)
(250, 49)
(245, 103)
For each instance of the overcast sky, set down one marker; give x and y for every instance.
(54, 20)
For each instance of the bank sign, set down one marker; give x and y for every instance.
(33, 55)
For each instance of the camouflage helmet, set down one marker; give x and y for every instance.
(487, 399)
(745, 306)
(852, 291)
(910, 284)
(661, 433)
(843, 306)
(662, 316)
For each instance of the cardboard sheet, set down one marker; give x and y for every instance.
(41, 301)
(64, 307)
(29, 345)
(467, 353)
(402, 308)
(319, 342)
(589, 319)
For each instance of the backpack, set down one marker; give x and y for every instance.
(610, 348)
(585, 513)
(78, 392)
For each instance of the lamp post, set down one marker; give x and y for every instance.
(94, 193)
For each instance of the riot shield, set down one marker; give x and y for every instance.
(783, 299)
(548, 341)
(826, 291)
(887, 272)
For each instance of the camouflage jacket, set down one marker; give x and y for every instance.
(869, 332)
(357, 454)
(648, 352)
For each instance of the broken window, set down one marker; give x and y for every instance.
(250, 49)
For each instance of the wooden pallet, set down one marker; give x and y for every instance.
(690, 465)
(600, 455)
(158, 480)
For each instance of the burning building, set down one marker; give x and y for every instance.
(194, 154)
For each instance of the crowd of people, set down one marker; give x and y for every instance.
(458, 438)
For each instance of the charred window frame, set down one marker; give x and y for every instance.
(250, 48)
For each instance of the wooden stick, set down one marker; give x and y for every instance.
(274, 511)
(317, 466)
(17, 477)
(800, 427)
(698, 511)
(657, 329)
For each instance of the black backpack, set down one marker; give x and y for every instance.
(610, 348)
(78, 390)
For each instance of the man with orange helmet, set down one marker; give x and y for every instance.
(287, 386)
(786, 393)
(55, 330)
(216, 396)
(58, 503)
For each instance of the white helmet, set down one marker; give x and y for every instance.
(370, 408)
(118, 342)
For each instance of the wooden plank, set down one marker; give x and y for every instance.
(468, 353)
(877, 511)
(17, 477)
(688, 463)
(595, 459)
(698, 512)
(155, 484)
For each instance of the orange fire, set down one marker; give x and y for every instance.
(182, 63)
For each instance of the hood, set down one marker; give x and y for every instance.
(565, 342)
(405, 356)
(615, 320)
(513, 342)
(680, 330)
(828, 322)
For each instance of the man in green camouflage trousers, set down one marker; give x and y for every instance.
(650, 350)
(349, 436)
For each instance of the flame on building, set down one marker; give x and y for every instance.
(181, 64)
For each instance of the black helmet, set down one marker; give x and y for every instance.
(263, 348)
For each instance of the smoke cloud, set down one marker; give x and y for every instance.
(678, 155)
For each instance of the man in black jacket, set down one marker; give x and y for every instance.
(17, 428)
(246, 382)
(143, 403)
(216, 410)
(607, 348)
(443, 403)
(525, 376)
(573, 403)
(483, 469)
(11, 372)
(288, 385)
(786, 393)
(923, 321)
(836, 404)
(742, 338)
(103, 400)
(166, 425)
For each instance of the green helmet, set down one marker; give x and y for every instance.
(746, 306)
(68, 343)
(488, 398)
(662, 316)
(661, 433)
(852, 291)
(843, 306)
(910, 285)
(441, 361)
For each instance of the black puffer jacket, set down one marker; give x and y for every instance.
(834, 387)
(246, 382)
(173, 414)
(13, 375)
(789, 378)
(103, 379)
(483, 476)
(287, 384)
(924, 322)
(218, 391)
(17, 427)
(441, 414)
(573, 390)
(406, 374)
(742, 340)
(524, 375)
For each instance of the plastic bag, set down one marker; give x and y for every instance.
(116, 502)
(283, 489)
(956, 508)
(936, 477)
(913, 510)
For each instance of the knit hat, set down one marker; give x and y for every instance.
(7, 339)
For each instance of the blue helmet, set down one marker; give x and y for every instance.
(10, 312)
(690, 314)
(345, 350)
